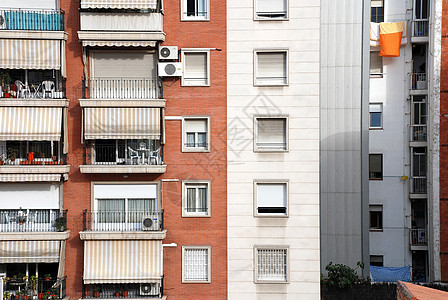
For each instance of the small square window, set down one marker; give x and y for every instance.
(271, 67)
(271, 198)
(196, 198)
(376, 260)
(376, 64)
(196, 134)
(196, 264)
(271, 134)
(376, 115)
(377, 11)
(195, 10)
(376, 167)
(271, 10)
(271, 264)
(196, 68)
(376, 217)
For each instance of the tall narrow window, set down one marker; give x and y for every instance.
(271, 9)
(376, 217)
(196, 264)
(271, 264)
(196, 65)
(376, 167)
(376, 64)
(195, 10)
(271, 67)
(377, 11)
(376, 115)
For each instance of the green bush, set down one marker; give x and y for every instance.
(342, 276)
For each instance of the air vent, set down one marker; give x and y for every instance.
(168, 52)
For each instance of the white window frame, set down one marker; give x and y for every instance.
(258, 117)
(270, 247)
(209, 252)
(183, 12)
(185, 119)
(273, 82)
(257, 18)
(196, 183)
(195, 50)
(271, 181)
(370, 116)
(376, 75)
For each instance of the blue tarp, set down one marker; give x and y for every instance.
(22, 20)
(390, 274)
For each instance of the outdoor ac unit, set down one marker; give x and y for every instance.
(147, 289)
(168, 52)
(170, 69)
(149, 223)
(2, 20)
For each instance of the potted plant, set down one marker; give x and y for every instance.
(24, 294)
(6, 295)
(2, 159)
(13, 153)
(125, 292)
(21, 218)
(47, 277)
(18, 295)
(117, 294)
(41, 293)
(60, 224)
(5, 78)
(96, 291)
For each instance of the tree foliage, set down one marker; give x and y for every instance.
(342, 276)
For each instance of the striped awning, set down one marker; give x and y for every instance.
(29, 251)
(30, 123)
(120, 4)
(30, 177)
(119, 43)
(31, 54)
(122, 261)
(121, 123)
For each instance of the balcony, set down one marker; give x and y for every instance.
(33, 220)
(419, 239)
(115, 88)
(420, 28)
(123, 291)
(38, 20)
(418, 185)
(419, 81)
(122, 221)
(419, 133)
(42, 288)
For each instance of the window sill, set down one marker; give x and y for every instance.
(272, 84)
(194, 85)
(195, 20)
(257, 150)
(191, 215)
(271, 19)
(195, 150)
(193, 281)
(270, 282)
(376, 179)
(376, 128)
(270, 216)
(375, 230)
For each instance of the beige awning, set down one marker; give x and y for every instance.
(30, 177)
(122, 261)
(119, 43)
(32, 54)
(30, 123)
(121, 4)
(29, 251)
(121, 123)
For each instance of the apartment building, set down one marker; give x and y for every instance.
(113, 139)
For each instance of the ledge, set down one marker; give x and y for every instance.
(38, 169)
(35, 236)
(418, 92)
(122, 103)
(133, 36)
(419, 248)
(120, 235)
(418, 196)
(122, 169)
(33, 34)
(34, 102)
(419, 39)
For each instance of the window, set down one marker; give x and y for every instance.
(271, 10)
(376, 217)
(195, 10)
(196, 66)
(376, 115)
(377, 11)
(271, 198)
(196, 135)
(376, 260)
(196, 264)
(271, 67)
(196, 198)
(271, 264)
(376, 167)
(271, 134)
(376, 64)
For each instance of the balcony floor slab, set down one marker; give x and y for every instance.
(120, 235)
(35, 236)
(122, 102)
(123, 169)
(9, 102)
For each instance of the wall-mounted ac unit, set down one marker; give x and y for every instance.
(168, 52)
(148, 289)
(2, 20)
(150, 223)
(170, 69)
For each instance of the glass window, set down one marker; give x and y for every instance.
(271, 264)
(376, 260)
(375, 166)
(196, 132)
(195, 10)
(271, 9)
(377, 11)
(376, 217)
(196, 264)
(196, 199)
(271, 198)
(376, 64)
(196, 68)
(376, 115)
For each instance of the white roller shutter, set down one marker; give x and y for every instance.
(271, 194)
(196, 125)
(113, 64)
(196, 67)
(271, 65)
(271, 131)
(271, 6)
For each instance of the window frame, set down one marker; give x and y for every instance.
(255, 137)
(209, 259)
(376, 75)
(370, 116)
(184, 134)
(271, 247)
(271, 50)
(371, 7)
(185, 185)
(382, 167)
(195, 50)
(257, 18)
(185, 18)
(378, 208)
(255, 198)
(377, 257)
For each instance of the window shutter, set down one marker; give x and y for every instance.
(271, 195)
(195, 66)
(375, 163)
(375, 108)
(271, 65)
(271, 131)
(376, 3)
(196, 125)
(126, 64)
(270, 6)
(376, 208)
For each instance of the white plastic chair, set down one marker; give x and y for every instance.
(22, 90)
(48, 87)
(133, 155)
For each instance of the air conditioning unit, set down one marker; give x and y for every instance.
(150, 223)
(148, 289)
(170, 69)
(168, 52)
(2, 20)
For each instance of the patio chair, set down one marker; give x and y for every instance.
(22, 89)
(48, 88)
(154, 159)
(133, 154)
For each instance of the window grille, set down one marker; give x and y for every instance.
(272, 265)
(196, 264)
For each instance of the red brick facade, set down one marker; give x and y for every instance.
(212, 166)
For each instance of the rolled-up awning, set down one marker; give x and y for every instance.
(121, 123)
(122, 261)
(119, 43)
(30, 123)
(120, 4)
(30, 177)
(29, 251)
(32, 54)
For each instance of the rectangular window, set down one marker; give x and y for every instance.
(377, 11)
(196, 264)
(376, 260)
(376, 115)
(271, 198)
(196, 134)
(271, 9)
(196, 66)
(196, 198)
(271, 134)
(195, 10)
(376, 64)
(271, 264)
(376, 217)
(376, 167)
(271, 67)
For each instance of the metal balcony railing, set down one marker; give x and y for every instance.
(123, 291)
(44, 288)
(419, 237)
(418, 81)
(120, 88)
(418, 133)
(418, 185)
(121, 155)
(32, 220)
(122, 221)
(20, 19)
(420, 28)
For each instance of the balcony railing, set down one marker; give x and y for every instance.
(419, 82)
(419, 185)
(37, 90)
(419, 133)
(420, 28)
(122, 221)
(45, 288)
(123, 291)
(122, 155)
(47, 20)
(419, 237)
(120, 88)
(32, 220)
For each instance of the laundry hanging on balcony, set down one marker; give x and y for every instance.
(390, 37)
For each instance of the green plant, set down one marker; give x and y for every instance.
(342, 276)
(13, 152)
(5, 78)
(96, 288)
(60, 224)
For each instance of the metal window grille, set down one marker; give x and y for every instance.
(272, 265)
(196, 264)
